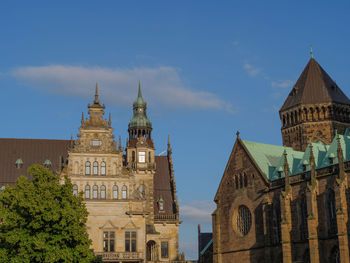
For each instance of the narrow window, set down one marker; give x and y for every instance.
(332, 217)
(87, 168)
(103, 168)
(124, 192)
(142, 157)
(149, 157)
(130, 241)
(94, 192)
(95, 168)
(103, 192)
(303, 218)
(75, 190)
(164, 249)
(133, 157)
(87, 191)
(115, 192)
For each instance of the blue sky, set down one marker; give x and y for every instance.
(207, 69)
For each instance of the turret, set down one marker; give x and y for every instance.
(140, 148)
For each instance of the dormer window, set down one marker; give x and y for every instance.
(161, 204)
(95, 142)
(304, 167)
(19, 163)
(279, 174)
(47, 163)
(331, 160)
(142, 157)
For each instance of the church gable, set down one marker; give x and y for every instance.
(241, 172)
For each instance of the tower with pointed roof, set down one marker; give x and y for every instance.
(315, 108)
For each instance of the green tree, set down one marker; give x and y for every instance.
(42, 221)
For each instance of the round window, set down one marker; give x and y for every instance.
(243, 220)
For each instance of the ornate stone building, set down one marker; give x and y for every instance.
(130, 193)
(290, 203)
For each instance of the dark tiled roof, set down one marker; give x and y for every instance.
(314, 86)
(30, 151)
(162, 186)
(203, 240)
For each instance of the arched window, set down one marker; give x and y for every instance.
(87, 191)
(240, 181)
(149, 157)
(303, 218)
(103, 168)
(95, 192)
(115, 192)
(124, 192)
(103, 192)
(75, 190)
(245, 178)
(87, 168)
(95, 168)
(331, 213)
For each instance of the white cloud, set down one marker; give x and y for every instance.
(162, 86)
(198, 212)
(284, 84)
(252, 70)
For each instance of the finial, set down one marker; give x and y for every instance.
(168, 140)
(311, 52)
(96, 92)
(285, 161)
(82, 119)
(336, 132)
(109, 121)
(120, 143)
(237, 133)
(139, 94)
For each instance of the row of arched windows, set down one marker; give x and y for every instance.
(314, 114)
(95, 193)
(95, 168)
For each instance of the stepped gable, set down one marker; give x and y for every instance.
(314, 86)
(29, 151)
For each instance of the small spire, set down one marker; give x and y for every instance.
(109, 121)
(96, 101)
(339, 149)
(82, 119)
(120, 143)
(312, 158)
(286, 171)
(311, 52)
(168, 141)
(139, 93)
(237, 133)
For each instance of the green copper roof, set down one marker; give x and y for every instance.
(140, 120)
(270, 158)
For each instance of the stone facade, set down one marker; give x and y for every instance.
(129, 192)
(287, 203)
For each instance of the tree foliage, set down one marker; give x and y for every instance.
(42, 221)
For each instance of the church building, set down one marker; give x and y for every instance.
(130, 193)
(290, 203)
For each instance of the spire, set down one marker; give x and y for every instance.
(120, 143)
(96, 94)
(109, 121)
(237, 134)
(314, 86)
(139, 95)
(169, 147)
